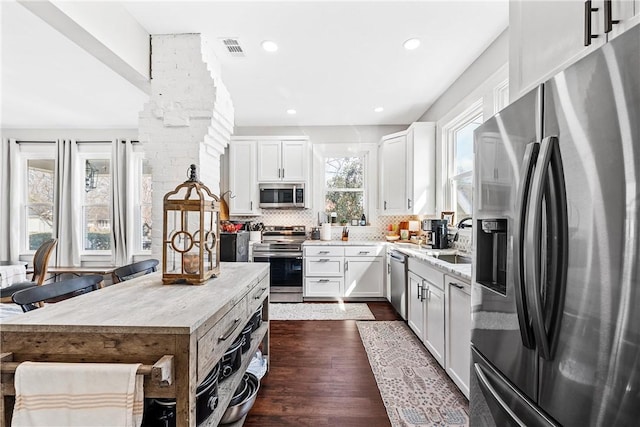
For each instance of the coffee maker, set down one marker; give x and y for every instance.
(439, 234)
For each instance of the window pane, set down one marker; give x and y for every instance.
(464, 193)
(146, 193)
(344, 172)
(464, 146)
(97, 202)
(40, 193)
(97, 225)
(347, 204)
(145, 212)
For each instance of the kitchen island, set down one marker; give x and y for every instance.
(143, 321)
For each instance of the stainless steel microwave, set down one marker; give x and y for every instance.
(282, 196)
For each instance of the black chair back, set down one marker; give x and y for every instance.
(136, 269)
(28, 298)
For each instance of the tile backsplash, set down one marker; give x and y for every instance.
(375, 229)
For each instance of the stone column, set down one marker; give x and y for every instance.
(188, 119)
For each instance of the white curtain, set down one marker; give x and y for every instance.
(68, 218)
(122, 196)
(10, 202)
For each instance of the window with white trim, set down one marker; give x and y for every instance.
(38, 201)
(345, 186)
(144, 223)
(95, 202)
(458, 141)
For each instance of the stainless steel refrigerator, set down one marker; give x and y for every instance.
(556, 282)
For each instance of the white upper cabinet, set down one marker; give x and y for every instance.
(407, 178)
(269, 155)
(625, 12)
(243, 199)
(284, 161)
(394, 184)
(547, 36)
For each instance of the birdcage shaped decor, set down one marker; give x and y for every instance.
(191, 248)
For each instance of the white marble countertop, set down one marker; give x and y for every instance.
(422, 253)
(429, 255)
(343, 243)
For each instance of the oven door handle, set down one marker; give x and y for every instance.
(295, 255)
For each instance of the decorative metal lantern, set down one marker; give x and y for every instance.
(191, 248)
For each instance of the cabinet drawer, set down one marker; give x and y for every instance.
(216, 341)
(323, 251)
(364, 250)
(323, 287)
(323, 266)
(426, 271)
(257, 296)
(458, 283)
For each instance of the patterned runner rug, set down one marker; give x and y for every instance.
(331, 311)
(415, 389)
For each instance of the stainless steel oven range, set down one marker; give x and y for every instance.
(281, 247)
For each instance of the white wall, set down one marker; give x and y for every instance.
(486, 65)
(325, 134)
(478, 81)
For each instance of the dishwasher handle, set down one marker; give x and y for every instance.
(396, 256)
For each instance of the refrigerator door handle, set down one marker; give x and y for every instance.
(548, 180)
(484, 383)
(530, 155)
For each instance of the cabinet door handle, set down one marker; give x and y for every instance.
(456, 285)
(283, 172)
(346, 265)
(608, 21)
(229, 331)
(588, 10)
(408, 203)
(251, 205)
(424, 288)
(419, 296)
(385, 205)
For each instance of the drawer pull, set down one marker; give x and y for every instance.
(323, 260)
(363, 252)
(229, 331)
(323, 252)
(260, 293)
(323, 280)
(456, 285)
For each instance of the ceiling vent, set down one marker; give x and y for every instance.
(233, 46)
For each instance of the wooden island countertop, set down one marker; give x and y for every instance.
(142, 320)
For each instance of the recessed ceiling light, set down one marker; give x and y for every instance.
(378, 109)
(291, 111)
(411, 44)
(269, 46)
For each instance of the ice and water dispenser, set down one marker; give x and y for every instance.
(491, 256)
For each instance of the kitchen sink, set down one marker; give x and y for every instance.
(455, 259)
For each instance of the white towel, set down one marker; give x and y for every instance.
(78, 394)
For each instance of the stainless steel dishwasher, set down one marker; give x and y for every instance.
(399, 282)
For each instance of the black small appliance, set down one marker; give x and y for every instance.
(439, 234)
(234, 247)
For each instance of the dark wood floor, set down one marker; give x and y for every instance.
(320, 376)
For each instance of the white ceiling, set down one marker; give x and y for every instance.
(336, 61)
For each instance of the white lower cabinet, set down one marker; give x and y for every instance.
(415, 317)
(344, 271)
(363, 276)
(324, 287)
(427, 307)
(458, 332)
